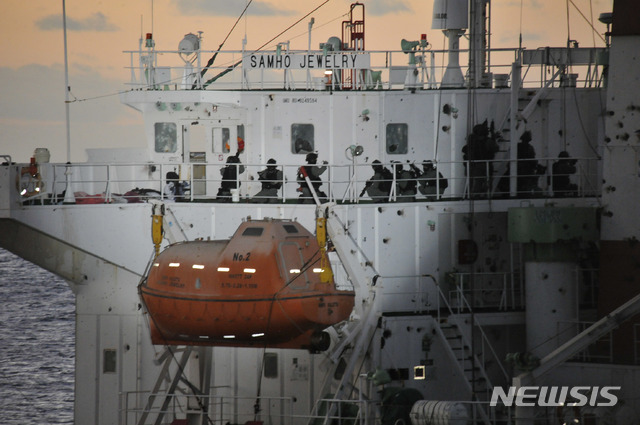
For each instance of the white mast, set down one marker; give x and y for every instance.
(66, 80)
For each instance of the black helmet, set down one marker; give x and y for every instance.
(312, 156)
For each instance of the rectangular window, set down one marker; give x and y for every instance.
(253, 231)
(302, 138)
(290, 228)
(166, 137)
(220, 140)
(271, 365)
(397, 139)
(109, 361)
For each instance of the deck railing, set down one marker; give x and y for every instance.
(387, 69)
(138, 182)
(278, 410)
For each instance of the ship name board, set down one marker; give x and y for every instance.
(312, 61)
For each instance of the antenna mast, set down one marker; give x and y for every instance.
(478, 76)
(66, 80)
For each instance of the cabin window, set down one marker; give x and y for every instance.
(290, 228)
(220, 140)
(397, 138)
(270, 365)
(302, 140)
(240, 132)
(109, 361)
(166, 137)
(253, 231)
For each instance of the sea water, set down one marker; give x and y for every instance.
(37, 344)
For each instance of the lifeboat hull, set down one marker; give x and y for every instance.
(262, 288)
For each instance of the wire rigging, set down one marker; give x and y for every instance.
(213, 58)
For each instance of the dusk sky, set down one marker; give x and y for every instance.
(32, 112)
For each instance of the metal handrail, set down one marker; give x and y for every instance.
(484, 336)
(104, 182)
(431, 65)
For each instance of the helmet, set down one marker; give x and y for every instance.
(312, 156)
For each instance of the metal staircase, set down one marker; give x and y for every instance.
(470, 360)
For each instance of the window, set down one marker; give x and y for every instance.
(397, 138)
(253, 231)
(302, 140)
(271, 365)
(109, 361)
(166, 137)
(290, 228)
(220, 140)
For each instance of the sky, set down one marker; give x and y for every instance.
(32, 84)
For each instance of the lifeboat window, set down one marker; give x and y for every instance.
(166, 139)
(290, 228)
(270, 365)
(253, 231)
(397, 138)
(302, 140)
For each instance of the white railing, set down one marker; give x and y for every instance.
(601, 351)
(500, 291)
(208, 409)
(486, 348)
(136, 182)
(221, 410)
(388, 70)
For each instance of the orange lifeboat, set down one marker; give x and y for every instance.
(261, 288)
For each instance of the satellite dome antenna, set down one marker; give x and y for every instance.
(189, 52)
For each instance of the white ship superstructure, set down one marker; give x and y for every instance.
(484, 279)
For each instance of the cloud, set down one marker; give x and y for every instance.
(96, 22)
(36, 117)
(229, 8)
(384, 7)
(44, 101)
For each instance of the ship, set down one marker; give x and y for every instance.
(471, 222)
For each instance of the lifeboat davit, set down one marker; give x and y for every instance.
(265, 287)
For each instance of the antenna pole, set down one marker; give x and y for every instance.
(66, 80)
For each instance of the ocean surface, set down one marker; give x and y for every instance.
(37, 344)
